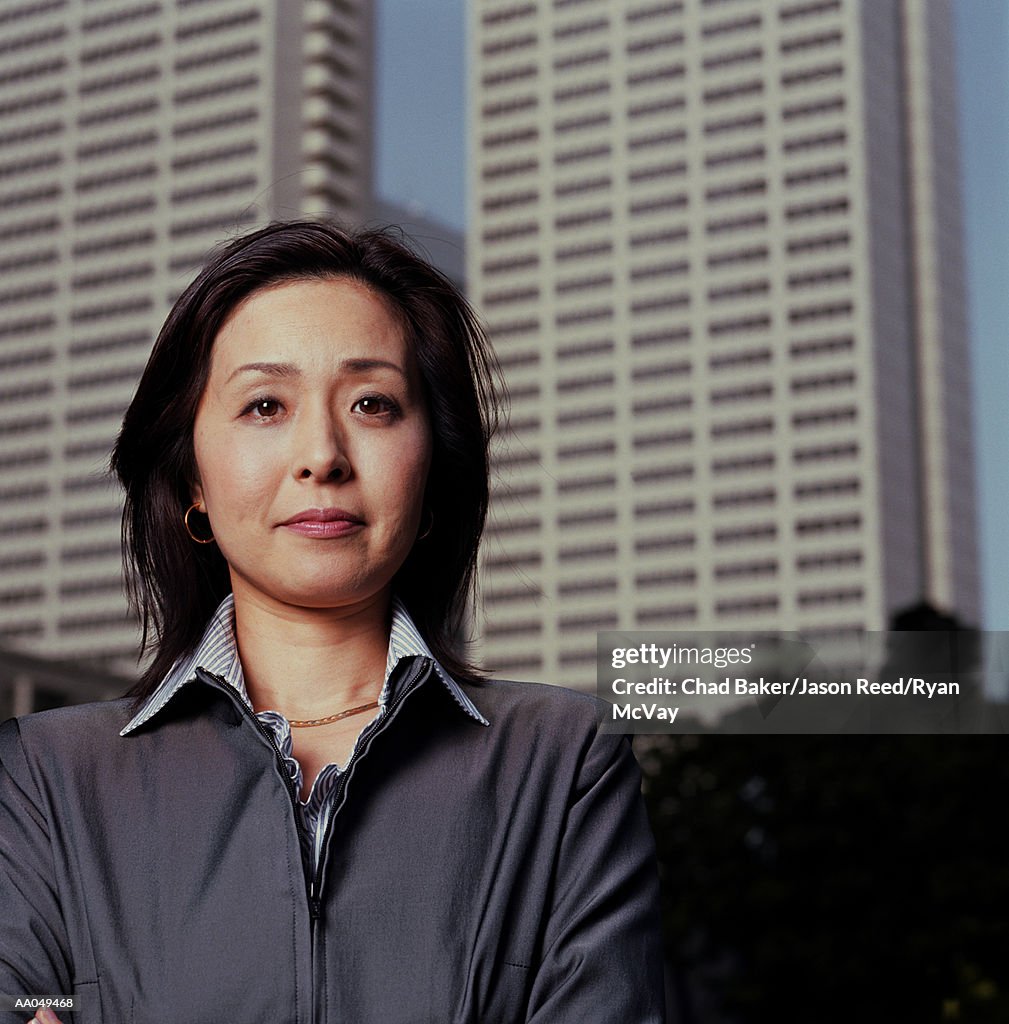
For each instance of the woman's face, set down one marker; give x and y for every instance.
(312, 444)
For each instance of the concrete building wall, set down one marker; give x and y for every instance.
(689, 227)
(940, 311)
(133, 137)
(901, 514)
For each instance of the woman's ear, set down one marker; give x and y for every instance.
(196, 497)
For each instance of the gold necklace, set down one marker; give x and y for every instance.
(301, 723)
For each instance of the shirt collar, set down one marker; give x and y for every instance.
(217, 652)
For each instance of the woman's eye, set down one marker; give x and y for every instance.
(264, 408)
(375, 405)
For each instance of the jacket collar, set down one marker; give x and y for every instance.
(217, 652)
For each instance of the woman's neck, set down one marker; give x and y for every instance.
(308, 663)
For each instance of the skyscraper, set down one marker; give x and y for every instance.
(133, 136)
(719, 249)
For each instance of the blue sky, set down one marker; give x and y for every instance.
(421, 155)
(420, 93)
(982, 28)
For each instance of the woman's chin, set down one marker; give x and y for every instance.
(316, 591)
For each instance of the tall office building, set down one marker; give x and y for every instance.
(134, 135)
(718, 246)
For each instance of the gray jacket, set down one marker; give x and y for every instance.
(471, 874)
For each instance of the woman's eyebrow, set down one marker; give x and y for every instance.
(364, 365)
(287, 370)
(269, 369)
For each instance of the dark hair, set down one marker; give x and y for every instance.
(174, 585)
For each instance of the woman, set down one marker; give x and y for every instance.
(312, 807)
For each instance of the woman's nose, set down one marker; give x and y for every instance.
(321, 451)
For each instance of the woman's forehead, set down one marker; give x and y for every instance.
(313, 324)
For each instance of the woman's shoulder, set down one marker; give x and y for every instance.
(551, 732)
(69, 716)
(74, 726)
(545, 703)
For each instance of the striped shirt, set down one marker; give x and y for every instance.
(217, 652)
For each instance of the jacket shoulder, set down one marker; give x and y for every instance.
(546, 703)
(85, 726)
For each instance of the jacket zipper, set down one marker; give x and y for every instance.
(314, 906)
(319, 877)
(418, 672)
(315, 874)
(268, 736)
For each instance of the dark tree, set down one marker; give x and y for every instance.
(833, 878)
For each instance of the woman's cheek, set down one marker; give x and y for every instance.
(249, 471)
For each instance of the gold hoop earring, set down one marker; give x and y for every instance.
(430, 525)
(185, 521)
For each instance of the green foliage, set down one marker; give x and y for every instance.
(833, 878)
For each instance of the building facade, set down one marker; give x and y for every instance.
(718, 246)
(133, 137)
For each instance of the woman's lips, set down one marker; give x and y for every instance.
(323, 522)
